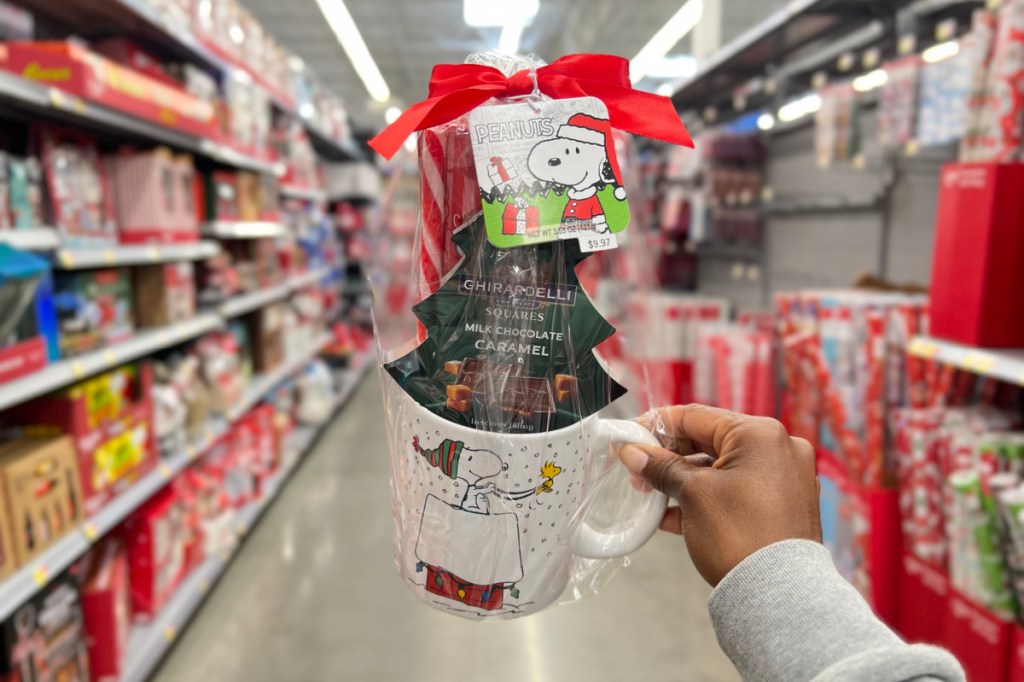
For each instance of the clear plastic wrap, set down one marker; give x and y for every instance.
(507, 496)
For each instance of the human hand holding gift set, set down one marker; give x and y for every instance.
(497, 449)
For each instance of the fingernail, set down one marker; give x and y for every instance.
(639, 484)
(634, 458)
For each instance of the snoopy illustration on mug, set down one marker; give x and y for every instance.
(455, 573)
(581, 157)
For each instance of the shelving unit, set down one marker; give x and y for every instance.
(223, 229)
(149, 643)
(67, 372)
(120, 256)
(1005, 365)
(305, 193)
(38, 239)
(24, 583)
(246, 303)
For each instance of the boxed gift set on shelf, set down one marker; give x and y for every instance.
(28, 324)
(499, 360)
(94, 308)
(154, 194)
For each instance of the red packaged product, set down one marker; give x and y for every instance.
(106, 607)
(976, 276)
(155, 536)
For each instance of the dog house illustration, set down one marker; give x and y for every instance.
(471, 558)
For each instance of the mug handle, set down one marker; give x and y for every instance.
(589, 543)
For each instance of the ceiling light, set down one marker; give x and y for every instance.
(410, 143)
(766, 122)
(941, 52)
(489, 13)
(666, 38)
(797, 109)
(666, 89)
(296, 64)
(871, 81)
(511, 34)
(673, 67)
(392, 114)
(307, 110)
(237, 34)
(340, 21)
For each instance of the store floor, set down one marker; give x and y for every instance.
(313, 595)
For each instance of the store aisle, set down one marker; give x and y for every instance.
(314, 596)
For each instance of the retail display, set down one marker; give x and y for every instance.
(106, 608)
(153, 196)
(28, 325)
(836, 132)
(94, 307)
(164, 294)
(76, 184)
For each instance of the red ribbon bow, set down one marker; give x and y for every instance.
(456, 89)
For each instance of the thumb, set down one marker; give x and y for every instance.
(662, 469)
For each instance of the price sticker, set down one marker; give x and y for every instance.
(946, 30)
(768, 194)
(204, 587)
(993, 5)
(77, 369)
(153, 253)
(846, 62)
(819, 80)
(110, 357)
(67, 259)
(860, 162)
(907, 45)
(109, 257)
(165, 472)
(91, 532)
(41, 576)
(871, 58)
(191, 452)
(912, 148)
(225, 555)
(979, 363)
(923, 349)
(57, 98)
(170, 633)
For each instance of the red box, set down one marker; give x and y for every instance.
(107, 609)
(976, 275)
(979, 640)
(74, 69)
(22, 358)
(110, 425)
(156, 538)
(923, 608)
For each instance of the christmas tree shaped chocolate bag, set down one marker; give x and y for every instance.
(497, 443)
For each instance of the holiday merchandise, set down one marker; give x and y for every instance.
(43, 495)
(153, 194)
(897, 103)
(226, 367)
(733, 369)
(106, 608)
(45, 639)
(506, 367)
(164, 294)
(944, 93)
(267, 331)
(109, 418)
(836, 131)
(155, 538)
(22, 193)
(94, 308)
(76, 185)
(28, 325)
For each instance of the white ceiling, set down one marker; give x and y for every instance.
(407, 37)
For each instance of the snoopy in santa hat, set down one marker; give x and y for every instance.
(582, 158)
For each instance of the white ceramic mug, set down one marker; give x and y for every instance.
(488, 523)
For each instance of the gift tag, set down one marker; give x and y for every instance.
(548, 171)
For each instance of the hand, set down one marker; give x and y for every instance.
(742, 484)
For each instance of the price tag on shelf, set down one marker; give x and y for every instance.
(110, 357)
(819, 80)
(946, 30)
(860, 162)
(91, 532)
(923, 348)
(979, 363)
(41, 576)
(912, 148)
(153, 253)
(846, 62)
(871, 58)
(165, 472)
(739, 101)
(993, 5)
(77, 369)
(907, 45)
(109, 257)
(170, 633)
(204, 587)
(67, 259)
(768, 194)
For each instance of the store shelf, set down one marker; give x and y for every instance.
(36, 239)
(1005, 365)
(800, 24)
(263, 384)
(66, 372)
(306, 279)
(246, 303)
(728, 252)
(305, 193)
(148, 644)
(223, 229)
(82, 258)
(820, 205)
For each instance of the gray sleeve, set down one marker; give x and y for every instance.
(785, 613)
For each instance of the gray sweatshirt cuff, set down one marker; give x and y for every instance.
(785, 613)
